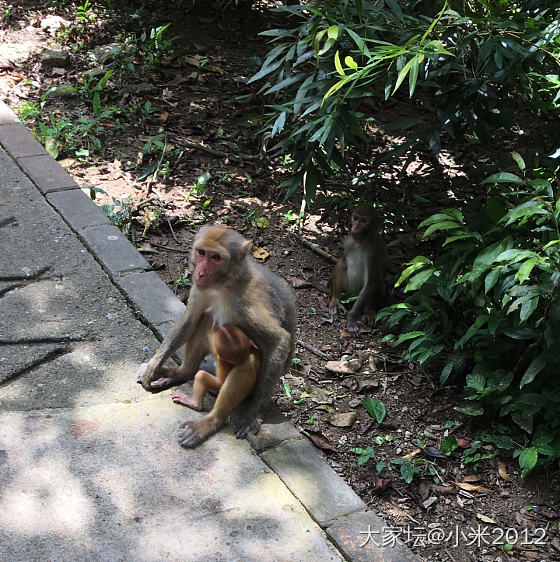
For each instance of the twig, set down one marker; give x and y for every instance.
(178, 250)
(219, 153)
(312, 349)
(317, 250)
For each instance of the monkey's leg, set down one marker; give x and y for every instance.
(237, 386)
(203, 382)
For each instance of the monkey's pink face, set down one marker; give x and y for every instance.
(360, 224)
(208, 267)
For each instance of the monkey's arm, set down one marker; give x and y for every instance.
(181, 331)
(365, 296)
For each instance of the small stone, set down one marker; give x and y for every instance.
(55, 59)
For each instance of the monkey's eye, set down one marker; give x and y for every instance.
(200, 252)
(216, 257)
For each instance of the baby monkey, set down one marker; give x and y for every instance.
(361, 270)
(235, 353)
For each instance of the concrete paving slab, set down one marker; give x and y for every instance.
(77, 209)
(364, 537)
(47, 174)
(20, 142)
(115, 251)
(302, 468)
(109, 482)
(148, 292)
(7, 116)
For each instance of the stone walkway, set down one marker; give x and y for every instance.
(89, 464)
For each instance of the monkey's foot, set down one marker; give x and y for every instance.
(246, 426)
(185, 400)
(192, 434)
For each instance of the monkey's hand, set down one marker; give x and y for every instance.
(155, 380)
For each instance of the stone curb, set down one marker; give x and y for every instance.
(358, 533)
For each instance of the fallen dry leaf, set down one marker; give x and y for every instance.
(320, 441)
(463, 443)
(472, 478)
(473, 487)
(502, 471)
(339, 367)
(163, 117)
(260, 253)
(380, 485)
(344, 419)
(485, 519)
(298, 283)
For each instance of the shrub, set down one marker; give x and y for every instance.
(488, 309)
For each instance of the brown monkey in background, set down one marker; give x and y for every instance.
(360, 271)
(236, 357)
(229, 288)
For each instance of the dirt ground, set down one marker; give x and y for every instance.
(212, 167)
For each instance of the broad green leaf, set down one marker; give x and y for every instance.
(504, 177)
(445, 225)
(528, 460)
(514, 255)
(470, 410)
(350, 63)
(419, 279)
(528, 307)
(408, 336)
(415, 266)
(375, 408)
(488, 255)
(524, 272)
(491, 278)
(51, 146)
(536, 366)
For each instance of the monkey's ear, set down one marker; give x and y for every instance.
(245, 247)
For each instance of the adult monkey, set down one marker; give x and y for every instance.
(229, 288)
(362, 268)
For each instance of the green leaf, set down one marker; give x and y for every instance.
(518, 160)
(419, 279)
(413, 76)
(448, 445)
(445, 225)
(350, 63)
(524, 272)
(504, 177)
(491, 278)
(375, 408)
(536, 366)
(338, 65)
(402, 74)
(51, 146)
(470, 410)
(408, 336)
(528, 460)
